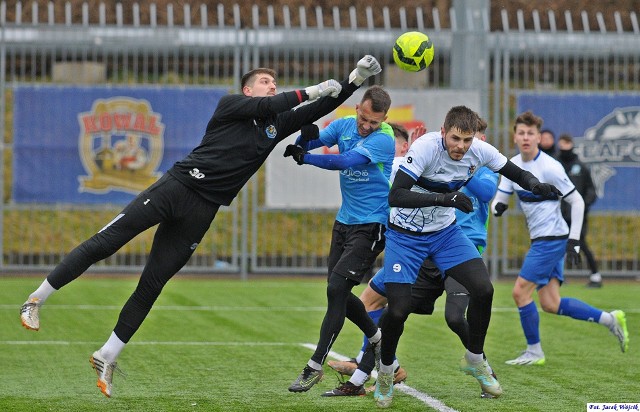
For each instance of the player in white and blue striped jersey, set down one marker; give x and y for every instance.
(423, 198)
(551, 238)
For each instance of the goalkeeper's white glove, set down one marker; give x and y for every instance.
(367, 66)
(326, 88)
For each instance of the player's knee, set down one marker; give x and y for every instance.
(338, 288)
(484, 291)
(549, 307)
(333, 290)
(455, 321)
(399, 312)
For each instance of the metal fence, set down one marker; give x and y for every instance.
(248, 237)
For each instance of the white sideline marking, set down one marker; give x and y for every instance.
(184, 308)
(236, 308)
(402, 387)
(145, 343)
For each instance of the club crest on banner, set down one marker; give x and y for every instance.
(121, 144)
(614, 141)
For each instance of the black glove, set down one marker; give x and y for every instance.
(545, 190)
(573, 251)
(500, 209)
(309, 132)
(455, 199)
(297, 152)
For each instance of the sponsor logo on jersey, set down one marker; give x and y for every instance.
(614, 141)
(120, 145)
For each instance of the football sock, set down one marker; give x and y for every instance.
(530, 321)
(535, 348)
(596, 277)
(358, 378)
(386, 368)
(376, 338)
(359, 357)
(43, 292)
(112, 348)
(473, 357)
(375, 316)
(606, 319)
(577, 309)
(314, 365)
(396, 364)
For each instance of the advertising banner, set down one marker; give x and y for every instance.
(102, 144)
(606, 132)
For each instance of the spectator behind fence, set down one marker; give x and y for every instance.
(580, 175)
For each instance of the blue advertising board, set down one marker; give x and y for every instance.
(102, 144)
(606, 132)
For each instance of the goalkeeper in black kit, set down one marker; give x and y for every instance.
(243, 131)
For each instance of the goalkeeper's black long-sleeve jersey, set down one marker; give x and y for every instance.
(241, 134)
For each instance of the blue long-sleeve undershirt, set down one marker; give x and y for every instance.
(309, 145)
(336, 161)
(330, 161)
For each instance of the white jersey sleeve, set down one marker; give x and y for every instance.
(543, 216)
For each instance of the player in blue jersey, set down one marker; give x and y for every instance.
(423, 199)
(430, 284)
(551, 238)
(366, 150)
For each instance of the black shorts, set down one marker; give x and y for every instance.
(429, 287)
(354, 249)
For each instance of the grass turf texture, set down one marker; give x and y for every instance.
(221, 345)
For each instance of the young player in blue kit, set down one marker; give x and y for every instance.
(543, 266)
(423, 199)
(367, 148)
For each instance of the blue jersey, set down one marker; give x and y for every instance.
(474, 224)
(364, 188)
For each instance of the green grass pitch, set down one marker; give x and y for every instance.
(228, 345)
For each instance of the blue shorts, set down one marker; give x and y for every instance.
(405, 253)
(377, 283)
(544, 261)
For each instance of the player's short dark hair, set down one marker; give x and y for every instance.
(380, 99)
(250, 77)
(482, 125)
(529, 119)
(400, 131)
(462, 118)
(566, 137)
